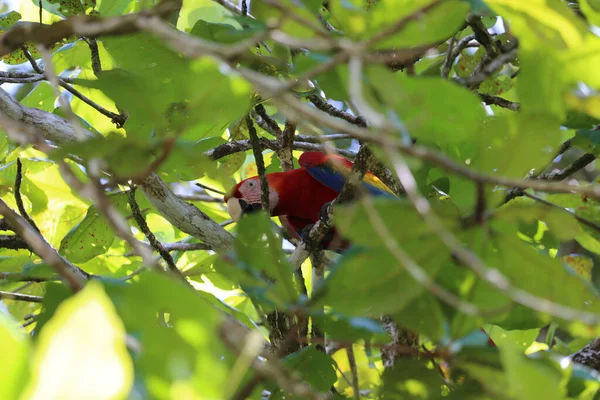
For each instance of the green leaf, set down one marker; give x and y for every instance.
(344, 328)
(42, 97)
(258, 250)
(313, 366)
(546, 23)
(435, 25)
(64, 359)
(544, 277)
(14, 345)
(69, 8)
(430, 108)
(411, 379)
(527, 377)
(591, 9)
(513, 145)
(222, 33)
(354, 222)
(559, 222)
(92, 236)
(383, 287)
(304, 9)
(194, 354)
(536, 96)
(156, 83)
(111, 8)
(583, 207)
(423, 315)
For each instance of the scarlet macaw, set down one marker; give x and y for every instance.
(300, 194)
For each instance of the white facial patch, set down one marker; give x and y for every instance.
(234, 209)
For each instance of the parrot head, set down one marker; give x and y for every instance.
(244, 198)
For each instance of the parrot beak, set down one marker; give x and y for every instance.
(238, 207)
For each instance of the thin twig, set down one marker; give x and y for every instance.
(19, 199)
(354, 372)
(499, 101)
(154, 242)
(21, 277)
(260, 165)
(449, 58)
(20, 297)
(272, 125)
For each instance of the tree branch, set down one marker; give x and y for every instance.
(72, 275)
(20, 297)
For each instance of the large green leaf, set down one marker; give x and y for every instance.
(432, 109)
(176, 95)
(527, 377)
(513, 145)
(544, 276)
(368, 282)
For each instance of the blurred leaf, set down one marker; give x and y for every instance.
(560, 222)
(411, 379)
(383, 287)
(110, 8)
(259, 254)
(423, 315)
(527, 377)
(343, 328)
(546, 23)
(304, 9)
(430, 108)
(195, 352)
(69, 8)
(399, 216)
(314, 366)
(64, 359)
(14, 345)
(591, 9)
(169, 84)
(437, 24)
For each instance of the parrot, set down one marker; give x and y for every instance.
(298, 196)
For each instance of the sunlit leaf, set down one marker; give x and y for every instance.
(66, 366)
(15, 352)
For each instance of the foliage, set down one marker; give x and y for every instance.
(479, 109)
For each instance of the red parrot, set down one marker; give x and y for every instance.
(300, 194)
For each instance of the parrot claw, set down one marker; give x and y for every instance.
(324, 215)
(305, 235)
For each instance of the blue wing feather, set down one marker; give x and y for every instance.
(335, 180)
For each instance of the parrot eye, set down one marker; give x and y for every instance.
(251, 184)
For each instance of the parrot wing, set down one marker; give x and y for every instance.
(331, 171)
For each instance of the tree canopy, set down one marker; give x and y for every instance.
(125, 123)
